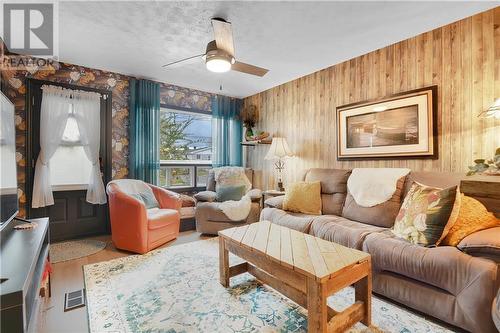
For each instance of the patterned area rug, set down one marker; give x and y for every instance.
(75, 249)
(177, 289)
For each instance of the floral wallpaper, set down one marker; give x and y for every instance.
(13, 85)
(171, 95)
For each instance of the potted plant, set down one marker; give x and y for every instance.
(249, 116)
(486, 167)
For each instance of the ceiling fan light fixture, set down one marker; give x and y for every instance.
(218, 64)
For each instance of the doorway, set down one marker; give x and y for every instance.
(71, 216)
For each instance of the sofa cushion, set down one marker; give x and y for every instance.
(424, 214)
(332, 180)
(333, 188)
(444, 267)
(303, 197)
(296, 221)
(382, 215)
(341, 230)
(472, 217)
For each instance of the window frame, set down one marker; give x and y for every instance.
(194, 164)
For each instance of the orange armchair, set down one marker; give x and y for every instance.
(135, 228)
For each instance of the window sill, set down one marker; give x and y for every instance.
(70, 187)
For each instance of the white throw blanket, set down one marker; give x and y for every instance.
(231, 176)
(372, 186)
(236, 210)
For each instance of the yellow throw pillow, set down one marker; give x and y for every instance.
(303, 197)
(472, 217)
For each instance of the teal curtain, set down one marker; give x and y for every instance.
(227, 131)
(144, 158)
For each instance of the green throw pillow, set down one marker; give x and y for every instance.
(424, 214)
(230, 192)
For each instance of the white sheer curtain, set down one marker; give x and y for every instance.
(53, 117)
(55, 110)
(87, 113)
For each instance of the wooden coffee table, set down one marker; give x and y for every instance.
(304, 268)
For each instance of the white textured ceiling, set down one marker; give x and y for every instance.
(291, 39)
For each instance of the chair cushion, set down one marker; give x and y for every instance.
(444, 267)
(382, 215)
(210, 212)
(159, 218)
(341, 230)
(296, 221)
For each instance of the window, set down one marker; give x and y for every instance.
(69, 166)
(185, 148)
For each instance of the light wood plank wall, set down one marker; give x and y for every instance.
(462, 59)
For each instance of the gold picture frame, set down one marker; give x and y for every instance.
(398, 126)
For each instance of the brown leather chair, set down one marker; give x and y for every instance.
(135, 228)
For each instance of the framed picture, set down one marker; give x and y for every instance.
(399, 126)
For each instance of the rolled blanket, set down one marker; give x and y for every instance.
(236, 210)
(372, 186)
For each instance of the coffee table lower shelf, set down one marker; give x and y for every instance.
(311, 293)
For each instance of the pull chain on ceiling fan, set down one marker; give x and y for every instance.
(219, 54)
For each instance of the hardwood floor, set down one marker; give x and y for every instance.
(68, 276)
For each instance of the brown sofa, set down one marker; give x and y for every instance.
(210, 219)
(443, 282)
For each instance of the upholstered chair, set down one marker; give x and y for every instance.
(210, 219)
(136, 224)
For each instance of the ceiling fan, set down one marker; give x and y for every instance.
(219, 55)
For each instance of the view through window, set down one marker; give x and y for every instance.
(185, 148)
(69, 166)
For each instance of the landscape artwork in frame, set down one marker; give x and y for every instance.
(399, 126)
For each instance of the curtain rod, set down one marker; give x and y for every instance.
(71, 91)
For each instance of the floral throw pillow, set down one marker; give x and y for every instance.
(424, 214)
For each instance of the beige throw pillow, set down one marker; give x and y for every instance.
(303, 197)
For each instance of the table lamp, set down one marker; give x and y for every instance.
(279, 150)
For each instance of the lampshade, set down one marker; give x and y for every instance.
(492, 111)
(279, 149)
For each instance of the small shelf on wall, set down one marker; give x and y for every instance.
(254, 144)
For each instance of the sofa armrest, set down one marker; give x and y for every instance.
(166, 198)
(484, 243)
(275, 202)
(255, 195)
(206, 196)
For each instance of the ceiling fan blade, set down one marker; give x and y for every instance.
(223, 35)
(170, 64)
(249, 69)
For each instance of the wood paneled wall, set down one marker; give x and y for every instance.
(462, 59)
